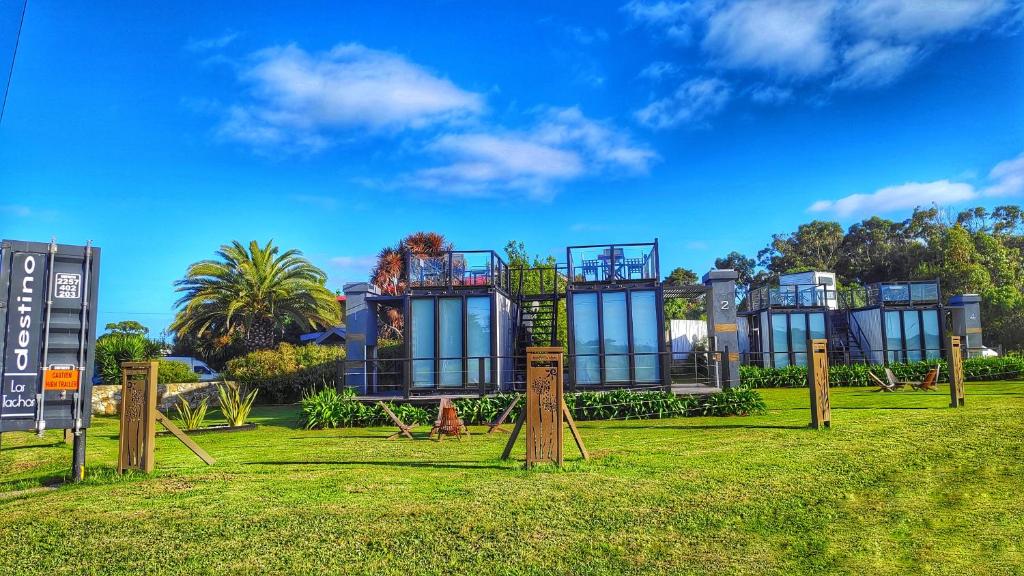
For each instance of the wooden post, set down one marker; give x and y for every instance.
(544, 409)
(817, 383)
(138, 416)
(955, 361)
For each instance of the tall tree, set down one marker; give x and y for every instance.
(683, 308)
(814, 246)
(253, 291)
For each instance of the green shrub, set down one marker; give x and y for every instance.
(113, 349)
(975, 369)
(328, 408)
(284, 374)
(191, 418)
(174, 372)
(235, 404)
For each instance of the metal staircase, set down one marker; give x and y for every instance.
(538, 293)
(844, 338)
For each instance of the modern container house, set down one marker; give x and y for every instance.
(615, 316)
(779, 320)
(879, 323)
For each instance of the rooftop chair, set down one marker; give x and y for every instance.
(890, 386)
(927, 384)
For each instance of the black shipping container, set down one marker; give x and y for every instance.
(48, 310)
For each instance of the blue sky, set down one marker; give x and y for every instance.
(162, 131)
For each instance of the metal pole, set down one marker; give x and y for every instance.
(40, 422)
(78, 457)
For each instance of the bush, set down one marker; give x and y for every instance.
(191, 418)
(975, 369)
(113, 349)
(174, 372)
(328, 408)
(285, 374)
(235, 404)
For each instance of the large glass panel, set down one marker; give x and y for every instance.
(616, 337)
(932, 339)
(644, 312)
(817, 326)
(780, 340)
(893, 337)
(423, 342)
(586, 343)
(451, 341)
(478, 338)
(798, 330)
(912, 332)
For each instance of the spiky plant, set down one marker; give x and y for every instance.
(235, 404)
(254, 291)
(191, 418)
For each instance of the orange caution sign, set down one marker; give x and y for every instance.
(60, 379)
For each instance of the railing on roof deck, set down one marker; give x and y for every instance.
(540, 280)
(792, 296)
(918, 292)
(613, 263)
(458, 269)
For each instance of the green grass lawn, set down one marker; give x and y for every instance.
(900, 485)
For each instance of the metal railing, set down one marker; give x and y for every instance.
(613, 263)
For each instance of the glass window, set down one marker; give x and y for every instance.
(932, 339)
(644, 312)
(912, 333)
(780, 340)
(798, 331)
(585, 338)
(616, 337)
(423, 342)
(478, 338)
(450, 328)
(893, 337)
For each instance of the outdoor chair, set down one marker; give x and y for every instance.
(883, 386)
(927, 384)
(448, 422)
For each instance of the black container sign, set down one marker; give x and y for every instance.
(47, 334)
(25, 302)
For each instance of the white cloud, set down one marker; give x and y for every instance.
(1005, 179)
(918, 19)
(764, 94)
(893, 198)
(299, 99)
(658, 70)
(692, 103)
(207, 44)
(563, 146)
(790, 38)
(18, 210)
(818, 46)
(870, 64)
(661, 12)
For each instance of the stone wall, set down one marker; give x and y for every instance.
(107, 398)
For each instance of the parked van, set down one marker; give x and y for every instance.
(206, 374)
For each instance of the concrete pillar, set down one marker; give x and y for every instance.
(722, 336)
(966, 312)
(360, 333)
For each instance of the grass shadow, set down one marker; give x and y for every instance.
(27, 446)
(720, 427)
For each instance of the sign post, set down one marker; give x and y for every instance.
(47, 339)
(817, 382)
(544, 410)
(955, 361)
(139, 418)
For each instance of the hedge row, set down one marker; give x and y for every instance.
(284, 374)
(329, 408)
(975, 369)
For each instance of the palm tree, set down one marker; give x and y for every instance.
(253, 292)
(391, 277)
